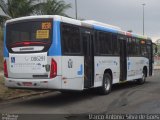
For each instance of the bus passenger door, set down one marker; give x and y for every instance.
(123, 59)
(88, 52)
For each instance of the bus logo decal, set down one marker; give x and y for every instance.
(97, 64)
(115, 63)
(12, 59)
(70, 63)
(129, 63)
(80, 72)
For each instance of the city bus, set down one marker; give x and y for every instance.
(60, 53)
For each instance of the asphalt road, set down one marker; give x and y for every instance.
(125, 98)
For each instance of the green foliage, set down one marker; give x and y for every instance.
(158, 46)
(18, 8)
(1, 34)
(2, 20)
(53, 7)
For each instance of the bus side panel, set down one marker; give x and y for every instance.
(135, 67)
(73, 72)
(5, 50)
(56, 54)
(55, 49)
(103, 63)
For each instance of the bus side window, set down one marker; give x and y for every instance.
(71, 43)
(104, 43)
(97, 45)
(115, 43)
(137, 47)
(129, 44)
(133, 47)
(149, 48)
(143, 48)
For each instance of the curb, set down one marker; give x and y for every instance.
(23, 96)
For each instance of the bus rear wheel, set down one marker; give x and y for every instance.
(107, 84)
(143, 79)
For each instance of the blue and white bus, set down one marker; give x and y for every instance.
(55, 52)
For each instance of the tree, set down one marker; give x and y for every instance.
(18, 8)
(53, 7)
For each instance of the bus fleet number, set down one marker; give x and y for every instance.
(38, 58)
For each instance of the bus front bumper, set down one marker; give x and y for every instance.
(54, 83)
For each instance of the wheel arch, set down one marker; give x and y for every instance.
(109, 71)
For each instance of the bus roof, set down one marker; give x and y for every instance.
(55, 17)
(87, 23)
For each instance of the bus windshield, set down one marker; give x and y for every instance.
(33, 31)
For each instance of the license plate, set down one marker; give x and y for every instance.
(27, 83)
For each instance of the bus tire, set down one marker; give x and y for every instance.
(107, 84)
(143, 79)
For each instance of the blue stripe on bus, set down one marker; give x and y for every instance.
(105, 29)
(55, 49)
(5, 50)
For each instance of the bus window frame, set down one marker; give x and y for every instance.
(97, 38)
(47, 46)
(62, 42)
(118, 44)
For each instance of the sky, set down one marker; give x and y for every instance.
(126, 14)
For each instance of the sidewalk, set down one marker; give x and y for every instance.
(1, 73)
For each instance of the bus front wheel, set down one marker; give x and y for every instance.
(107, 84)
